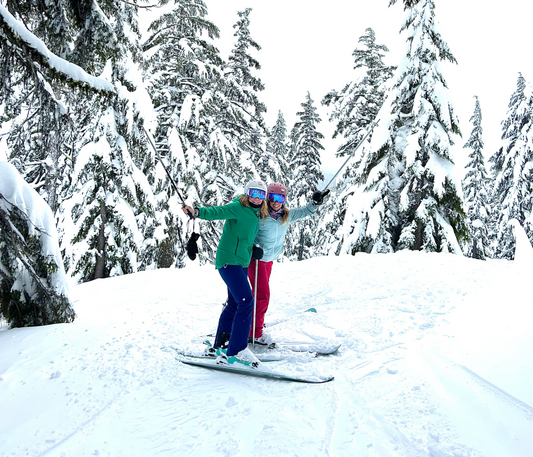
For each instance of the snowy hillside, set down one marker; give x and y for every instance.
(436, 360)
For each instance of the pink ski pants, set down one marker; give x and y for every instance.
(263, 292)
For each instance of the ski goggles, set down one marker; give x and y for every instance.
(257, 193)
(276, 198)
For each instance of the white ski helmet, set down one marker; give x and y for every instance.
(255, 184)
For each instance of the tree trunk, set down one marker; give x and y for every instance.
(165, 257)
(475, 253)
(301, 246)
(99, 269)
(419, 236)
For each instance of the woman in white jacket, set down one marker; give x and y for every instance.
(270, 239)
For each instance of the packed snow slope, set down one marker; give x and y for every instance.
(436, 360)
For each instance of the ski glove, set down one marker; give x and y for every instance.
(192, 247)
(257, 253)
(318, 196)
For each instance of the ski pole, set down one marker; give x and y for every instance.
(353, 152)
(255, 302)
(167, 172)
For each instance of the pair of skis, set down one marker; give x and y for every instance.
(267, 354)
(274, 353)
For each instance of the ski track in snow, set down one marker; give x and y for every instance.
(110, 385)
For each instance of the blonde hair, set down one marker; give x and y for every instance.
(285, 216)
(263, 210)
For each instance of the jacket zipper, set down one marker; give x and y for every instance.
(237, 247)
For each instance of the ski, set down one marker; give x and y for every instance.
(318, 348)
(315, 348)
(263, 353)
(289, 318)
(255, 372)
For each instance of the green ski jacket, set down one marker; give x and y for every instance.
(238, 235)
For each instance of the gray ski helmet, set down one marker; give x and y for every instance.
(255, 184)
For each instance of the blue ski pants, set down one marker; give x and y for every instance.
(236, 318)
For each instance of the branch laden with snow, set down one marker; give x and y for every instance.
(35, 53)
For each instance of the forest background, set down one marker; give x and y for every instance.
(103, 119)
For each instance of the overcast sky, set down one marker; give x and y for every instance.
(308, 45)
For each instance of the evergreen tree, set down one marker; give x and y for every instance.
(33, 95)
(101, 232)
(476, 193)
(512, 167)
(410, 193)
(356, 106)
(242, 89)
(272, 165)
(353, 110)
(306, 174)
(187, 71)
(63, 109)
(109, 208)
(33, 287)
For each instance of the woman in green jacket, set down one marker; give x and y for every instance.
(233, 256)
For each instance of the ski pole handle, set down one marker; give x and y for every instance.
(188, 211)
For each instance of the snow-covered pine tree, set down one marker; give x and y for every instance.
(306, 174)
(242, 90)
(356, 106)
(476, 193)
(186, 69)
(33, 285)
(107, 192)
(109, 209)
(32, 95)
(99, 38)
(512, 168)
(408, 173)
(272, 166)
(343, 229)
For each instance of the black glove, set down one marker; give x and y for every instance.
(318, 196)
(192, 247)
(257, 253)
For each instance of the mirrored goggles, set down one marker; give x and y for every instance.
(276, 198)
(257, 193)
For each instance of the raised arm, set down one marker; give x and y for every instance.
(212, 213)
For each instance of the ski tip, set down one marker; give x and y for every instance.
(310, 310)
(253, 372)
(319, 380)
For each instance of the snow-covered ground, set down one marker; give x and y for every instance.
(436, 360)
